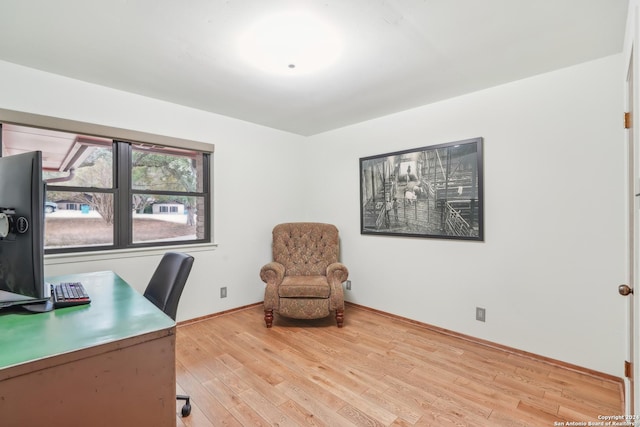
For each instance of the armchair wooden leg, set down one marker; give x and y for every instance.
(268, 317)
(340, 318)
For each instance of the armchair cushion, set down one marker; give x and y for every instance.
(304, 287)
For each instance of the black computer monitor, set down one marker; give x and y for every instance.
(22, 196)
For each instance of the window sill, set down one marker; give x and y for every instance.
(54, 259)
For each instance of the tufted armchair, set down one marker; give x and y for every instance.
(304, 280)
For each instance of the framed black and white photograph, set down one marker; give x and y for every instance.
(434, 192)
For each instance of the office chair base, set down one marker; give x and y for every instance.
(186, 408)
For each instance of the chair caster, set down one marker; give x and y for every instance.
(186, 408)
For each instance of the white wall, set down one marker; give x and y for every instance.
(256, 172)
(554, 252)
(553, 255)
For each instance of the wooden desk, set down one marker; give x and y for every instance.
(109, 363)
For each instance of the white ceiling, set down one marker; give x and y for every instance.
(397, 54)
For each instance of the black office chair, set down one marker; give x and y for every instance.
(164, 290)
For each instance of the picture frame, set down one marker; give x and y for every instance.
(432, 192)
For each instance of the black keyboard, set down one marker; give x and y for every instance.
(68, 294)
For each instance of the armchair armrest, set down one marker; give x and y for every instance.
(271, 274)
(336, 274)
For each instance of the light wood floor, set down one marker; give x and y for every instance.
(376, 371)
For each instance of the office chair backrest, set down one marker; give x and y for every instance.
(166, 284)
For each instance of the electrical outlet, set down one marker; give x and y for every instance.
(223, 292)
(480, 314)
(348, 285)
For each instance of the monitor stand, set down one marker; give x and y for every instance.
(40, 307)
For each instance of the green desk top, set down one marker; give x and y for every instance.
(117, 311)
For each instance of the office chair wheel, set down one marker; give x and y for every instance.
(186, 409)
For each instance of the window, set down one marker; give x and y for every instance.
(105, 193)
(167, 187)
